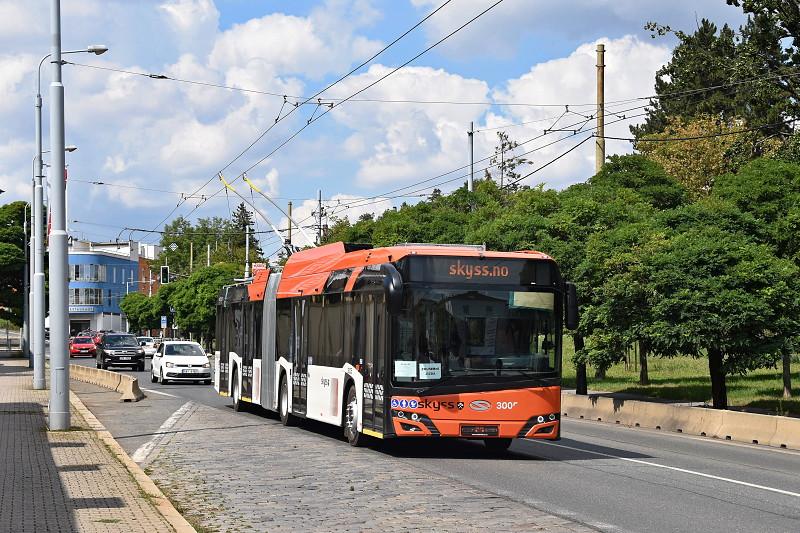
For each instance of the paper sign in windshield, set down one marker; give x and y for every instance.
(430, 371)
(405, 369)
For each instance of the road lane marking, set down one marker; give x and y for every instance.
(676, 469)
(161, 393)
(145, 449)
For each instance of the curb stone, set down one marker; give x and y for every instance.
(159, 501)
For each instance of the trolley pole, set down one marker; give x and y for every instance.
(600, 141)
(59, 368)
(289, 237)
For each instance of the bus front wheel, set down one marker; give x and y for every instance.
(351, 418)
(497, 445)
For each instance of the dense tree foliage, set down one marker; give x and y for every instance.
(657, 265)
(12, 261)
(193, 300)
(224, 238)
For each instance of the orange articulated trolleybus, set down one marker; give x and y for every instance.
(416, 340)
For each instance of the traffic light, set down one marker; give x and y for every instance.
(164, 274)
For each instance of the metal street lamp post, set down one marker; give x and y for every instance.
(59, 415)
(36, 297)
(37, 235)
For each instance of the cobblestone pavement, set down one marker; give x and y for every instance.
(229, 474)
(60, 481)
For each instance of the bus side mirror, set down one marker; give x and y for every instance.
(572, 318)
(393, 287)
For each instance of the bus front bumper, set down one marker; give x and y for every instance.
(545, 426)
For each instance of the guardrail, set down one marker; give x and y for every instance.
(128, 386)
(779, 431)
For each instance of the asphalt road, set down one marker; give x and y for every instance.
(609, 477)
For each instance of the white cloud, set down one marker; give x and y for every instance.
(115, 164)
(313, 46)
(398, 140)
(500, 31)
(630, 65)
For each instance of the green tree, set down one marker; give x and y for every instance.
(194, 299)
(504, 163)
(769, 191)
(12, 261)
(717, 294)
(741, 70)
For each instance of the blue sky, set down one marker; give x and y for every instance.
(137, 133)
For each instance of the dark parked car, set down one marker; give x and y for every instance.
(119, 349)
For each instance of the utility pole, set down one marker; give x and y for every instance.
(470, 135)
(59, 358)
(191, 256)
(247, 251)
(319, 217)
(208, 254)
(600, 141)
(289, 238)
(150, 286)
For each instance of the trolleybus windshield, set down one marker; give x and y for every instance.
(446, 333)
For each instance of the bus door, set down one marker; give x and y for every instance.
(373, 367)
(299, 354)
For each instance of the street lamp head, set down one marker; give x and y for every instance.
(70, 148)
(97, 49)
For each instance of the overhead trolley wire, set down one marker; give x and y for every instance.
(372, 84)
(297, 105)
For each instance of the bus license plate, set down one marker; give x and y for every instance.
(479, 431)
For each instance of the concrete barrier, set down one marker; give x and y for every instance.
(126, 385)
(752, 428)
(787, 433)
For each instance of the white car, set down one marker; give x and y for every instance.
(180, 361)
(148, 344)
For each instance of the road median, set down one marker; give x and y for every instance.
(127, 386)
(752, 428)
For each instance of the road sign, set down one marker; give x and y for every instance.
(163, 322)
(173, 247)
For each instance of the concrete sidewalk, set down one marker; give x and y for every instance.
(61, 481)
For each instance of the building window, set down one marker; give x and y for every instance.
(86, 296)
(87, 272)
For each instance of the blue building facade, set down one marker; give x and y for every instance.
(100, 274)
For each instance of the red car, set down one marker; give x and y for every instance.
(82, 346)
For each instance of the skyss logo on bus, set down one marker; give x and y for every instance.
(436, 405)
(468, 271)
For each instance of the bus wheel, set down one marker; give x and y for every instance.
(283, 404)
(497, 445)
(351, 418)
(236, 393)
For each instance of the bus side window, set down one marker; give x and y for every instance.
(282, 338)
(358, 331)
(315, 331)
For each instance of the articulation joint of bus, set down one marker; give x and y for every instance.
(415, 340)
